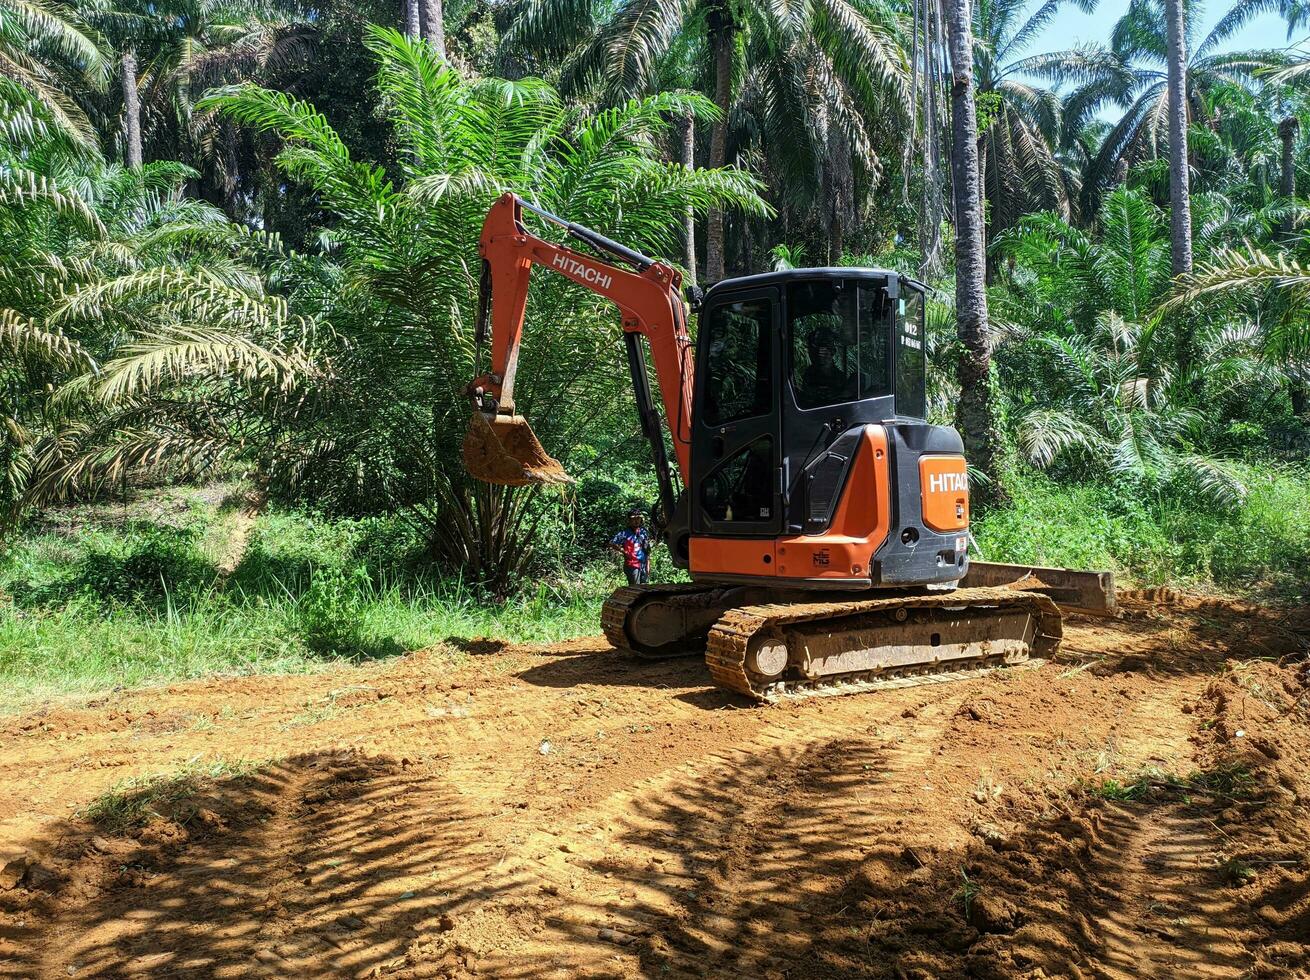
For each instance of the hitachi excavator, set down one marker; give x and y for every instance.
(824, 523)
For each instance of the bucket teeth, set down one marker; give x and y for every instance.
(503, 449)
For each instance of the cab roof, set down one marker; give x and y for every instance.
(822, 272)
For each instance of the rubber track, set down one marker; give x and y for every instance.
(621, 604)
(725, 653)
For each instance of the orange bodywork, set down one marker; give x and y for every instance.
(944, 488)
(733, 556)
(649, 303)
(859, 526)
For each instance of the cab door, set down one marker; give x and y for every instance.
(735, 452)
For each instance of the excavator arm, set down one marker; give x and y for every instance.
(501, 447)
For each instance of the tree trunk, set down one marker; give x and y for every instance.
(1179, 195)
(989, 213)
(1296, 389)
(975, 414)
(839, 190)
(1287, 185)
(131, 111)
(689, 162)
(412, 18)
(434, 29)
(721, 38)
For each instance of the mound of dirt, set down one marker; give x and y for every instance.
(1256, 749)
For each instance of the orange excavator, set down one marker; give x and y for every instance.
(824, 523)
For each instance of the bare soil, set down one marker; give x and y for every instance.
(569, 812)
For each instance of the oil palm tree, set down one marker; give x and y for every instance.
(976, 416)
(1023, 131)
(1266, 287)
(48, 54)
(1132, 75)
(397, 292)
(172, 52)
(1180, 211)
(806, 73)
(1095, 378)
(114, 284)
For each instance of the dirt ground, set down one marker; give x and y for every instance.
(569, 812)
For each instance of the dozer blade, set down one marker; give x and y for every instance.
(1090, 593)
(503, 449)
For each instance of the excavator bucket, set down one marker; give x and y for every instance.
(503, 449)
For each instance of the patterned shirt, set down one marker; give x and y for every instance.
(635, 545)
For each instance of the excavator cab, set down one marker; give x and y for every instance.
(808, 434)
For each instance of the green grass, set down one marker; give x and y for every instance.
(1262, 545)
(80, 647)
(98, 597)
(1229, 781)
(87, 606)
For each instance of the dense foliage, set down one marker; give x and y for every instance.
(241, 236)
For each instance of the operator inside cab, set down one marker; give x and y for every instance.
(839, 343)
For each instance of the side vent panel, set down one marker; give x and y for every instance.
(825, 478)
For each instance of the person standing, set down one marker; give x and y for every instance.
(633, 543)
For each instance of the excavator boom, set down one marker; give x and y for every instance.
(500, 446)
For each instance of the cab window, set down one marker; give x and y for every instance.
(740, 490)
(840, 335)
(911, 394)
(739, 362)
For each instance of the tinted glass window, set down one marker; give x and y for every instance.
(741, 489)
(739, 362)
(910, 365)
(875, 318)
(840, 334)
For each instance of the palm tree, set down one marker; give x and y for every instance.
(802, 76)
(1020, 168)
(46, 54)
(1112, 407)
(1275, 285)
(1180, 215)
(975, 414)
(112, 283)
(132, 150)
(1287, 130)
(173, 51)
(1094, 377)
(1132, 75)
(397, 295)
(434, 29)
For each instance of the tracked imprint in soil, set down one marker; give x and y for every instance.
(572, 813)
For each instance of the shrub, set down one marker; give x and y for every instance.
(330, 614)
(152, 566)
